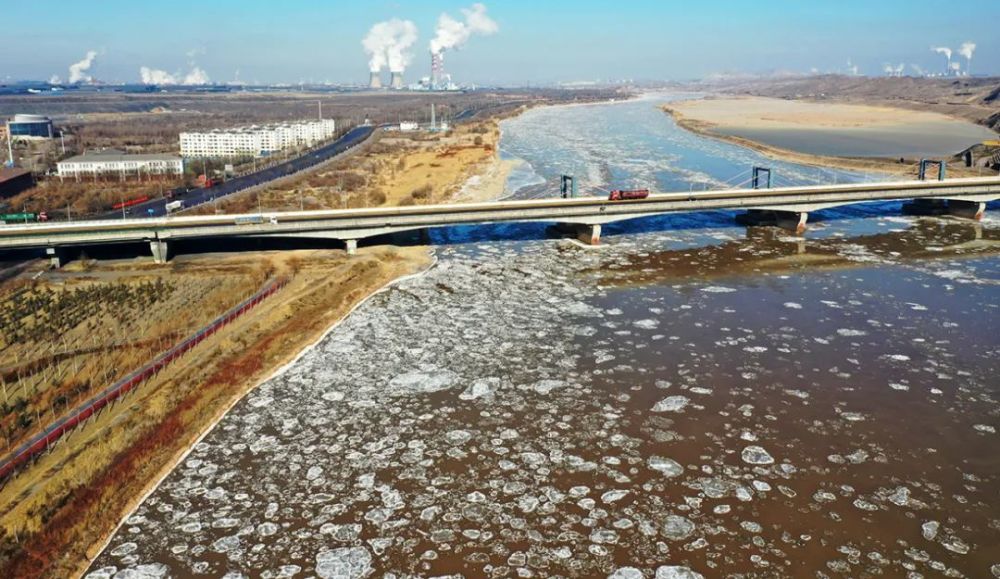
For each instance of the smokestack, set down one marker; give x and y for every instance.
(437, 69)
(397, 80)
(375, 81)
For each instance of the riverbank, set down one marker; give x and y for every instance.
(730, 119)
(57, 514)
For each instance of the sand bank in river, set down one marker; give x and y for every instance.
(853, 137)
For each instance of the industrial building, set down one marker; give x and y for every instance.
(13, 180)
(256, 140)
(30, 127)
(114, 163)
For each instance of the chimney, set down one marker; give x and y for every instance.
(397, 80)
(376, 81)
(437, 69)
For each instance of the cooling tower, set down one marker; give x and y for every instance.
(397, 80)
(375, 81)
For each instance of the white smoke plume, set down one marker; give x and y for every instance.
(966, 50)
(156, 76)
(919, 70)
(54, 79)
(195, 76)
(78, 70)
(452, 33)
(943, 50)
(891, 70)
(388, 44)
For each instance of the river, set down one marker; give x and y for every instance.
(691, 398)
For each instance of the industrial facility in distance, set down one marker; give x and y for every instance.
(256, 140)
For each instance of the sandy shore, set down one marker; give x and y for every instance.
(777, 114)
(714, 117)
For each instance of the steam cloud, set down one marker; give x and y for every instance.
(78, 70)
(967, 49)
(891, 70)
(388, 43)
(452, 33)
(943, 50)
(195, 76)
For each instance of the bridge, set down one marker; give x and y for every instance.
(784, 206)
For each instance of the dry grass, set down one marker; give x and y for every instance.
(56, 513)
(397, 169)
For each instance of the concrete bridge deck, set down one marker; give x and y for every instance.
(787, 206)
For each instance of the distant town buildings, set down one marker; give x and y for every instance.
(256, 140)
(114, 163)
(30, 127)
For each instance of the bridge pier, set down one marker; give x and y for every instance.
(957, 207)
(55, 257)
(790, 220)
(160, 249)
(967, 209)
(351, 246)
(589, 234)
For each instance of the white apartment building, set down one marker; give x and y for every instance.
(256, 140)
(111, 162)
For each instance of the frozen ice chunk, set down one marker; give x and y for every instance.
(671, 404)
(756, 455)
(480, 388)
(423, 382)
(626, 573)
(344, 563)
(677, 572)
(715, 289)
(668, 466)
(676, 527)
(613, 496)
(546, 386)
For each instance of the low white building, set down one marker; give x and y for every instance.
(114, 163)
(256, 140)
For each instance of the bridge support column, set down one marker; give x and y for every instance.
(791, 220)
(351, 246)
(589, 234)
(160, 249)
(55, 257)
(967, 209)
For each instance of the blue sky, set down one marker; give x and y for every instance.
(539, 41)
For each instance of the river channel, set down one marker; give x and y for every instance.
(693, 398)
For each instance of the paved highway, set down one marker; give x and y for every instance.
(157, 207)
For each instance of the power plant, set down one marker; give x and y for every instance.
(388, 45)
